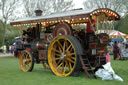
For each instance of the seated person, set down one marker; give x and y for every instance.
(30, 33)
(124, 52)
(91, 27)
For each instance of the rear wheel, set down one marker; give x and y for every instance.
(63, 55)
(26, 61)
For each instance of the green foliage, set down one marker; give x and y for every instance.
(0, 34)
(12, 75)
(11, 33)
(122, 25)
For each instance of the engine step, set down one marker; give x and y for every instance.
(86, 66)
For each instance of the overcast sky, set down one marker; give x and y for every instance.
(78, 3)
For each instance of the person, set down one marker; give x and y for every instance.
(10, 48)
(107, 58)
(115, 50)
(124, 53)
(7, 49)
(121, 47)
(4, 49)
(91, 25)
(90, 30)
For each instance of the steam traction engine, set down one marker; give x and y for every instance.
(55, 42)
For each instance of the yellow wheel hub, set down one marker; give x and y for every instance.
(62, 56)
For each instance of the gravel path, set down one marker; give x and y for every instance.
(5, 55)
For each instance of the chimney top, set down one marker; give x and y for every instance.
(38, 12)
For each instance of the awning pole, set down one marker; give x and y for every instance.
(22, 28)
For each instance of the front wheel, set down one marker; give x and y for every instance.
(26, 61)
(63, 55)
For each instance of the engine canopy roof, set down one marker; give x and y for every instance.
(72, 17)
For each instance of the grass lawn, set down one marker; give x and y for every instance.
(10, 74)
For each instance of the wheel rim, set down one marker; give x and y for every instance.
(25, 61)
(62, 56)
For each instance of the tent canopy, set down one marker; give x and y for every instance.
(117, 33)
(117, 39)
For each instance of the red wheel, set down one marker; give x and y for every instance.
(62, 29)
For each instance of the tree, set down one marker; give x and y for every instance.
(7, 8)
(0, 35)
(122, 24)
(125, 2)
(62, 5)
(11, 34)
(47, 6)
(116, 5)
(31, 5)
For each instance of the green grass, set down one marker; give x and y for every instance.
(10, 74)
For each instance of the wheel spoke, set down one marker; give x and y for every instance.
(60, 45)
(56, 50)
(58, 62)
(28, 65)
(70, 60)
(71, 49)
(21, 54)
(73, 58)
(68, 48)
(24, 65)
(29, 60)
(60, 49)
(24, 60)
(57, 58)
(67, 64)
(57, 54)
(72, 54)
(64, 69)
(27, 56)
(59, 65)
(64, 46)
(70, 65)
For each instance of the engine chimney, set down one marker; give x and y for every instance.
(38, 12)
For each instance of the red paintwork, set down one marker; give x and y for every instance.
(105, 38)
(30, 50)
(40, 46)
(103, 51)
(48, 37)
(42, 54)
(92, 45)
